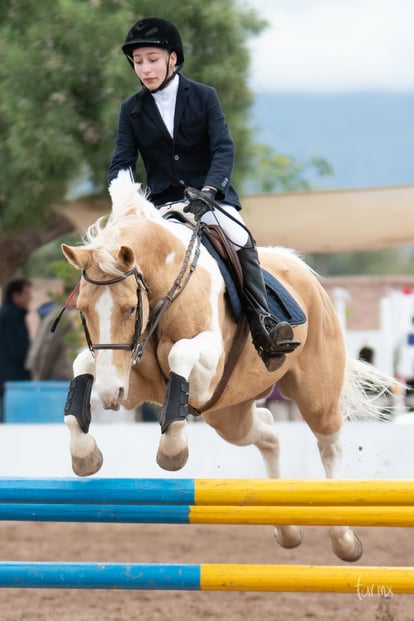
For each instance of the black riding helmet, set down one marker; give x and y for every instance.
(156, 32)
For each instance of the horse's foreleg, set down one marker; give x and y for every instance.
(193, 359)
(86, 456)
(345, 543)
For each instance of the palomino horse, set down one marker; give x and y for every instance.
(132, 263)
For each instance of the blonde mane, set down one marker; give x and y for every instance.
(130, 206)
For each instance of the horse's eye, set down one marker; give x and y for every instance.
(131, 311)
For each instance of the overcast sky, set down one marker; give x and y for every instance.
(334, 45)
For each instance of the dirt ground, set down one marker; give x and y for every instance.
(152, 543)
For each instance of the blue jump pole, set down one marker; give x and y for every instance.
(98, 491)
(99, 576)
(121, 514)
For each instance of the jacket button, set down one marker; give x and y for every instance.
(176, 157)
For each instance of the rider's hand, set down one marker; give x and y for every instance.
(198, 207)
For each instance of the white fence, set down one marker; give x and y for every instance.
(371, 450)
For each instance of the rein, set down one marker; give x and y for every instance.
(177, 288)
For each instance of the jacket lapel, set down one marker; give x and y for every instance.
(146, 105)
(155, 115)
(145, 102)
(182, 96)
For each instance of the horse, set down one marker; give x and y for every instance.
(137, 265)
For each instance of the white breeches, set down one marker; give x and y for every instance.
(236, 233)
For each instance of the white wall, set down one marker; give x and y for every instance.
(372, 450)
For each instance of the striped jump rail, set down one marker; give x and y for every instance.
(209, 501)
(204, 492)
(393, 516)
(383, 581)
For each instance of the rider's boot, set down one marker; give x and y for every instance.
(272, 339)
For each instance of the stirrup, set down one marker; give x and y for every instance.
(275, 343)
(280, 339)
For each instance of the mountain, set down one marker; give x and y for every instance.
(367, 137)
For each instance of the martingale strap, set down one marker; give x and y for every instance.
(177, 288)
(234, 354)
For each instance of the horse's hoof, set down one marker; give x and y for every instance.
(85, 466)
(172, 463)
(289, 536)
(351, 551)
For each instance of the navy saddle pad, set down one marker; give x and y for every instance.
(281, 304)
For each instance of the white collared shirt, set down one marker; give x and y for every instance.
(165, 100)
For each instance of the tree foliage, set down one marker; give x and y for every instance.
(63, 79)
(278, 172)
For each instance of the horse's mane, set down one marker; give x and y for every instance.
(130, 206)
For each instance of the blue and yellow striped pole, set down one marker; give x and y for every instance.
(385, 581)
(243, 492)
(393, 516)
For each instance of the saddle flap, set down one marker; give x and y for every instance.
(226, 251)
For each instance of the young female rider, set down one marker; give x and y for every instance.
(178, 128)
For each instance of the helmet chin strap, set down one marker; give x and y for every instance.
(167, 78)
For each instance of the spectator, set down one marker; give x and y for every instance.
(366, 354)
(51, 354)
(14, 335)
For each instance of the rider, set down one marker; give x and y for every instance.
(178, 128)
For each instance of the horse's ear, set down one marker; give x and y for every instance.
(78, 257)
(126, 257)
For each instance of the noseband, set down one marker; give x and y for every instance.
(141, 284)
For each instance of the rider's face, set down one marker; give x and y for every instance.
(153, 65)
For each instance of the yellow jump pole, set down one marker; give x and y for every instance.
(304, 515)
(365, 582)
(303, 492)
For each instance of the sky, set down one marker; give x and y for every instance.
(333, 46)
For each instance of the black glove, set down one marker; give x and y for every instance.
(198, 206)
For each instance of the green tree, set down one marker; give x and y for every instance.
(63, 78)
(278, 172)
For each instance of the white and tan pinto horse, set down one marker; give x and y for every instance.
(131, 260)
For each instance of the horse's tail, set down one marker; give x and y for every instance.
(365, 391)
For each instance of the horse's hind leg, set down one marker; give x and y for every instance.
(86, 457)
(247, 424)
(322, 413)
(345, 542)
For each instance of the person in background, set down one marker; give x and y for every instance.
(51, 354)
(178, 128)
(14, 334)
(366, 354)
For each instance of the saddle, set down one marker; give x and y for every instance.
(281, 303)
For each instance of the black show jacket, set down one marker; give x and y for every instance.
(200, 153)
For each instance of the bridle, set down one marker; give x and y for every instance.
(141, 284)
(137, 346)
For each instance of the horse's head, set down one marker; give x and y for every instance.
(114, 307)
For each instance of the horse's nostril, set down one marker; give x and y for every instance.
(121, 393)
